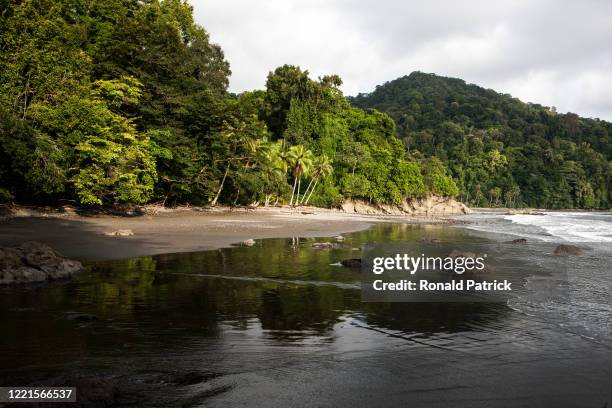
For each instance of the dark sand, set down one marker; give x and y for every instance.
(184, 230)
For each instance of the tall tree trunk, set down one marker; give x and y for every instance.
(307, 188)
(313, 189)
(293, 191)
(297, 194)
(237, 197)
(214, 202)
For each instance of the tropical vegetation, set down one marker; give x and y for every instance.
(124, 102)
(499, 150)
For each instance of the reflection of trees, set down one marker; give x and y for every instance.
(154, 296)
(310, 308)
(149, 288)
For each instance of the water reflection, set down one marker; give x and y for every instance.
(287, 288)
(249, 319)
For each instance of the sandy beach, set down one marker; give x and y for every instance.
(180, 230)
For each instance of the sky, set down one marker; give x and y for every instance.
(556, 53)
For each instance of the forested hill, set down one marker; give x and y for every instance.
(123, 102)
(500, 151)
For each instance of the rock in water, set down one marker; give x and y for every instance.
(520, 241)
(566, 249)
(351, 263)
(34, 262)
(120, 233)
(339, 238)
(249, 242)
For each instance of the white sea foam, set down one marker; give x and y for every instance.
(576, 227)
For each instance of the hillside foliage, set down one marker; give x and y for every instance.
(121, 102)
(499, 150)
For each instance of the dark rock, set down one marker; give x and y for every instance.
(520, 241)
(34, 262)
(566, 249)
(10, 258)
(351, 263)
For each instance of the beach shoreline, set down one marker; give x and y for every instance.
(188, 229)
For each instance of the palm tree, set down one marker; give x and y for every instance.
(274, 168)
(252, 147)
(321, 168)
(300, 160)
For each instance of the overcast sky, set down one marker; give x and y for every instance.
(557, 53)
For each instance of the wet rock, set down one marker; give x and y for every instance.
(248, 242)
(34, 262)
(566, 249)
(339, 238)
(351, 263)
(10, 258)
(120, 233)
(519, 241)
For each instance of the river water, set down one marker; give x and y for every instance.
(279, 324)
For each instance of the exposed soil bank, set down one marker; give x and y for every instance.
(431, 206)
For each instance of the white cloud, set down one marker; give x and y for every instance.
(550, 52)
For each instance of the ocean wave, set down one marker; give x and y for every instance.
(574, 227)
